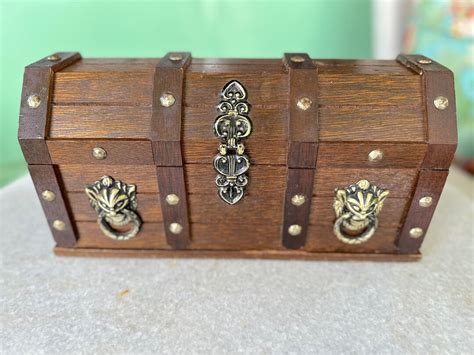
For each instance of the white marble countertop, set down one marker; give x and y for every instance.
(64, 305)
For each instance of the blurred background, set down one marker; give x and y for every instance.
(30, 30)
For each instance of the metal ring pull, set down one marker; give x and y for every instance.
(356, 208)
(116, 205)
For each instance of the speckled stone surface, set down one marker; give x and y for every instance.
(54, 305)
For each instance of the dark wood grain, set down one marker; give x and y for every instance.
(118, 152)
(401, 123)
(46, 178)
(430, 183)
(352, 154)
(76, 176)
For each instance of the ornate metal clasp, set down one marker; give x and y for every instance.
(357, 207)
(116, 205)
(231, 127)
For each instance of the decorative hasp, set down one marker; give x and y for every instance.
(357, 207)
(231, 127)
(116, 204)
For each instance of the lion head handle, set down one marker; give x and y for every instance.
(115, 203)
(356, 208)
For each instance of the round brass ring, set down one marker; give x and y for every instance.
(359, 239)
(131, 217)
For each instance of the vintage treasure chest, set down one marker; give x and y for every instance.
(271, 158)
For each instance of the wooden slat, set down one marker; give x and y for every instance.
(46, 178)
(352, 154)
(199, 178)
(264, 179)
(235, 254)
(369, 90)
(321, 239)
(118, 152)
(392, 214)
(112, 88)
(400, 182)
(76, 176)
(385, 123)
(151, 236)
(98, 122)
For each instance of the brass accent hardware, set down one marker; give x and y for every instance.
(99, 153)
(172, 199)
(167, 100)
(176, 228)
(33, 101)
(441, 102)
(298, 200)
(231, 126)
(425, 201)
(175, 57)
(424, 61)
(356, 208)
(59, 225)
(304, 103)
(54, 58)
(416, 232)
(115, 203)
(48, 195)
(294, 230)
(375, 155)
(297, 59)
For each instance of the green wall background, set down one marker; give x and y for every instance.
(30, 30)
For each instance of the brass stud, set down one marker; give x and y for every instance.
(99, 153)
(54, 58)
(297, 59)
(298, 200)
(48, 195)
(425, 201)
(424, 61)
(176, 228)
(441, 102)
(304, 103)
(375, 155)
(175, 57)
(172, 199)
(294, 230)
(167, 100)
(59, 225)
(416, 232)
(33, 101)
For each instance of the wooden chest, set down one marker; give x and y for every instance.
(279, 158)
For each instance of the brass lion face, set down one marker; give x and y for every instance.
(356, 208)
(115, 203)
